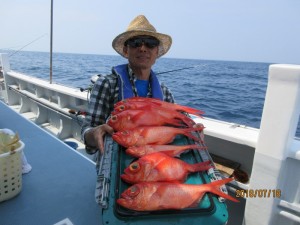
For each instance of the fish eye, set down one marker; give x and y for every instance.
(134, 167)
(133, 190)
(122, 107)
(114, 118)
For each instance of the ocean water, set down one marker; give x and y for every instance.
(224, 90)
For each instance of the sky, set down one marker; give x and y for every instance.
(235, 30)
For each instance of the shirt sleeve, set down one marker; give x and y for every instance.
(168, 96)
(100, 104)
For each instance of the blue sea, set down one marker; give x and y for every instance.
(224, 90)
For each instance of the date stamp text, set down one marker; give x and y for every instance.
(258, 193)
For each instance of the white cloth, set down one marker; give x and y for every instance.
(26, 167)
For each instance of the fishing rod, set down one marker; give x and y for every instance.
(95, 77)
(27, 45)
(184, 68)
(10, 48)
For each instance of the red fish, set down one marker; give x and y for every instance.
(152, 196)
(149, 116)
(170, 150)
(158, 135)
(140, 103)
(160, 167)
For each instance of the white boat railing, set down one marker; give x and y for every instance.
(57, 108)
(274, 190)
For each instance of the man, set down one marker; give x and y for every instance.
(141, 45)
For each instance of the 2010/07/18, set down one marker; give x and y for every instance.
(258, 193)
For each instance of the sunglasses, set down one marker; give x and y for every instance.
(139, 41)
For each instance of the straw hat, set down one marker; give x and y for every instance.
(141, 26)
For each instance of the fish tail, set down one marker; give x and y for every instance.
(214, 187)
(188, 134)
(182, 148)
(189, 110)
(188, 121)
(202, 166)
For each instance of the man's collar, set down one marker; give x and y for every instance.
(131, 74)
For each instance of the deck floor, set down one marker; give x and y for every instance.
(60, 186)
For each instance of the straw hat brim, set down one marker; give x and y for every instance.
(165, 41)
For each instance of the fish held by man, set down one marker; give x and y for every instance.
(170, 150)
(141, 103)
(153, 196)
(161, 167)
(159, 135)
(149, 116)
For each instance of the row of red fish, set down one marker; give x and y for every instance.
(141, 127)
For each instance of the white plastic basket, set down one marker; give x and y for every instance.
(11, 173)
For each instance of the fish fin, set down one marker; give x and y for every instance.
(175, 153)
(214, 187)
(148, 169)
(137, 116)
(202, 166)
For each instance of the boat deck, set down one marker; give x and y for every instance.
(59, 189)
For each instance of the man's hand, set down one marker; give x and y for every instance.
(95, 136)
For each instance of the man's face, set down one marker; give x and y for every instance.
(141, 51)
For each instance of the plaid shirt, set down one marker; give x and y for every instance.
(105, 94)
